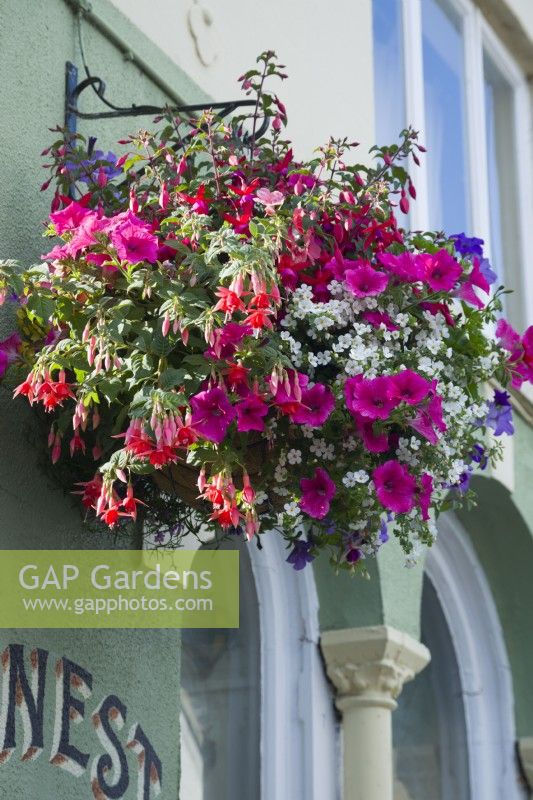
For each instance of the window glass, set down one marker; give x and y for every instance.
(388, 71)
(501, 164)
(429, 724)
(220, 705)
(445, 133)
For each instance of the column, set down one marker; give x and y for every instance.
(368, 667)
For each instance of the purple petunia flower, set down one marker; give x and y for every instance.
(300, 556)
(468, 245)
(500, 416)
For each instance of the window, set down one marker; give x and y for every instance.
(439, 67)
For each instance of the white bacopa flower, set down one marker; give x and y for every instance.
(292, 509)
(294, 456)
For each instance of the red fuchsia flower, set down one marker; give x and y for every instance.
(288, 395)
(475, 278)
(316, 405)
(212, 414)
(372, 398)
(365, 281)
(229, 301)
(198, 202)
(185, 433)
(395, 486)
(228, 516)
(259, 319)
(439, 308)
(269, 199)
(236, 378)
(317, 493)
(405, 266)
(53, 393)
(135, 242)
(409, 387)
(424, 492)
(250, 413)
(90, 491)
(374, 442)
(9, 351)
(377, 318)
(226, 340)
(162, 455)
(439, 270)
(69, 218)
(76, 443)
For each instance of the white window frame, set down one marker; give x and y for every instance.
(478, 37)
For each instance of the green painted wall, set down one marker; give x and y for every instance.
(141, 667)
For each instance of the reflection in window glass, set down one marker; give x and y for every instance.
(445, 133)
(388, 71)
(220, 697)
(429, 724)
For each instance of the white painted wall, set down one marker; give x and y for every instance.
(327, 48)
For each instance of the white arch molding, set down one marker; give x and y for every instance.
(474, 626)
(300, 751)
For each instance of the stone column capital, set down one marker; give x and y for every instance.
(369, 666)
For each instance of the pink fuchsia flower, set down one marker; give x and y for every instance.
(377, 318)
(9, 351)
(269, 199)
(424, 492)
(409, 387)
(374, 442)
(317, 403)
(69, 218)
(475, 278)
(395, 487)
(135, 243)
(405, 266)
(317, 493)
(212, 414)
(250, 413)
(365, 281)
(372, 398)
(439, 270)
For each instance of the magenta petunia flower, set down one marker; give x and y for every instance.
(466, 290)
(374, 442)
(250, 413)
(405, 266)
(135, 243)
(365, 281)
(395, 487)
(424, 493)
(226, 340)
(70, 217)
(371, 398)
(429, 420)
(377, 318)
(317, 493)
(439, 270)
(9, 350)
(317, 404)
(212, 414)
(409, 387)
(439, 308)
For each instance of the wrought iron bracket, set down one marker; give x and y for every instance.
(73, 91)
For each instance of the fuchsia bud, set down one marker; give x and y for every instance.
(166, 324)
(404, 203)
(412, 190)
(86, 333)
(121, 475)
(101, 178)
(175, 326)
(201, 480)
(56, 450)
(248, 492)
(134, 204)
(96, 419)
(182, 166)
(185, 336)
(164, 196)
(97, 452)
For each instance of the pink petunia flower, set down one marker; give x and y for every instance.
(466, 290)
(250, 413)
(395, 486)
(317, 404)
(439, 270)
(429, 420)
(135, 243)
(371, 398)
(317, 493)
(409, 387)
(69, 218)
(365, 281)
(212, 414)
